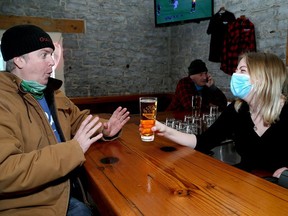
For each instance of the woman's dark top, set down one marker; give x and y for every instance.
(268, 152)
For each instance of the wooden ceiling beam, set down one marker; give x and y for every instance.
(47, 24)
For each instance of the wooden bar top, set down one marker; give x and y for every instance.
(130, 177)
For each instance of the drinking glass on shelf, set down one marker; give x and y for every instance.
(214, 111)
(148, 111)
(196, 105)
(169, 121)
(183, 126)
(208, 120)
(188, 119)
(191, 128)
(176, 124)
(197, 125)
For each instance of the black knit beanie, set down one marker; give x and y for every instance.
(197, 66)
(22, 39)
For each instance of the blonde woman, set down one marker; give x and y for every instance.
(257, 120)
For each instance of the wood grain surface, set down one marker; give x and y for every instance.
(130, 177)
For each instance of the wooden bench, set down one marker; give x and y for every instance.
(107, 104)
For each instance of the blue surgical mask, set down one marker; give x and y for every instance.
(240, 85)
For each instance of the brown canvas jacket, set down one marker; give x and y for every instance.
(34, 168)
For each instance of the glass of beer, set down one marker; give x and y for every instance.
(148, 111)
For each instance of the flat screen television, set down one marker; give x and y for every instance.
(173, 12)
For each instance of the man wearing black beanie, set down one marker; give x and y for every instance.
(43, 135)
(198, 82)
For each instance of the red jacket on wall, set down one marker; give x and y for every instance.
(240, 38)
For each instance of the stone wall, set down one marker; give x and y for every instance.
(122, 52)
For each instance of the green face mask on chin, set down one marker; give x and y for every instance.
(33, 87)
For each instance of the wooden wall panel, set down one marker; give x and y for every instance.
(48, 24)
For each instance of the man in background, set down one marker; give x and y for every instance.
(198, 82)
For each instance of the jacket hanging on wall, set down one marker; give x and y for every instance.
(240, 38)
(218, 27)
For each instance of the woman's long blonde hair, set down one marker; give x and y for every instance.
(268, 74)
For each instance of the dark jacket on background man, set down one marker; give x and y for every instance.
(182, 99)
